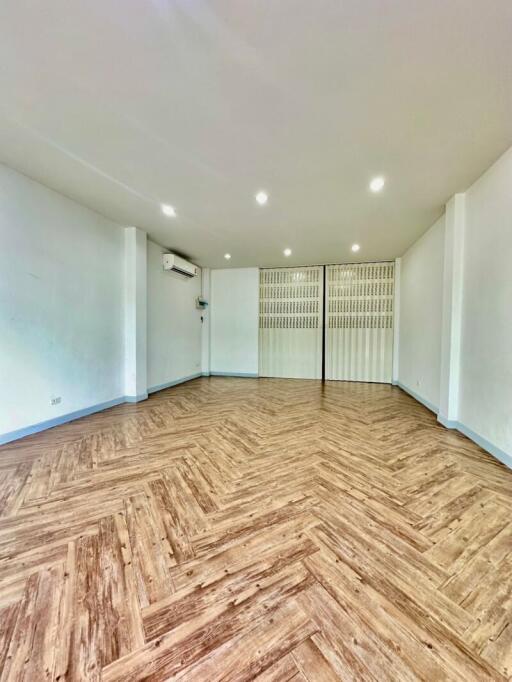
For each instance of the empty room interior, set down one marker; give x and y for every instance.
(256, 340)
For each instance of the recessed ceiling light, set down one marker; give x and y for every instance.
(377, 184)
(355, 247)
(287, 252)
(262, 198)
(227, 256)
(169, 210)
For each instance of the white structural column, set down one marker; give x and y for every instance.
(205, 329)
(452, 311)
(135, 314)
(396, 322)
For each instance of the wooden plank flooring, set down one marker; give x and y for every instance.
(240, 529)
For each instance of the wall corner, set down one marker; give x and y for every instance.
(451, 329)
(135, 313)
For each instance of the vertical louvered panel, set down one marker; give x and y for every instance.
(359, 334)
(291, 318)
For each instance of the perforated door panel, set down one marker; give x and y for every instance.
(359, 334)
(291, 318)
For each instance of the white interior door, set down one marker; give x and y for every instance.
(291, 318)
(359, 334)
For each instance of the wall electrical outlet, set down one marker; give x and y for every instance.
(56, 400)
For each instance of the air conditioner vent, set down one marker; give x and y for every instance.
(178, 264)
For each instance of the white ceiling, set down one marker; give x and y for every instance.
(123, 104)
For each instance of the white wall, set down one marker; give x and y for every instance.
(174, 323)
(234, 321)
(485, 394)
(421, 298)
(460, 330)
(61, 304)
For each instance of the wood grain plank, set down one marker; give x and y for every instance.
(151, 552)
(174, 651)
(205, 531)
(312, 664)
(31, 655)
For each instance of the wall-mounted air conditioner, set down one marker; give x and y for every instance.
(177, 264)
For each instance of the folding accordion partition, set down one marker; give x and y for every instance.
(291, 320)
(333, 322)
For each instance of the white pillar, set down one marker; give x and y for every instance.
(205, 330)
(135, 314)
(396, 321)
(452, 311)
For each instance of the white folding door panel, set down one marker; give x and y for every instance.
(359, 334)
(291, 318)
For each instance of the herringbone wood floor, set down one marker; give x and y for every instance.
(237, 529)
